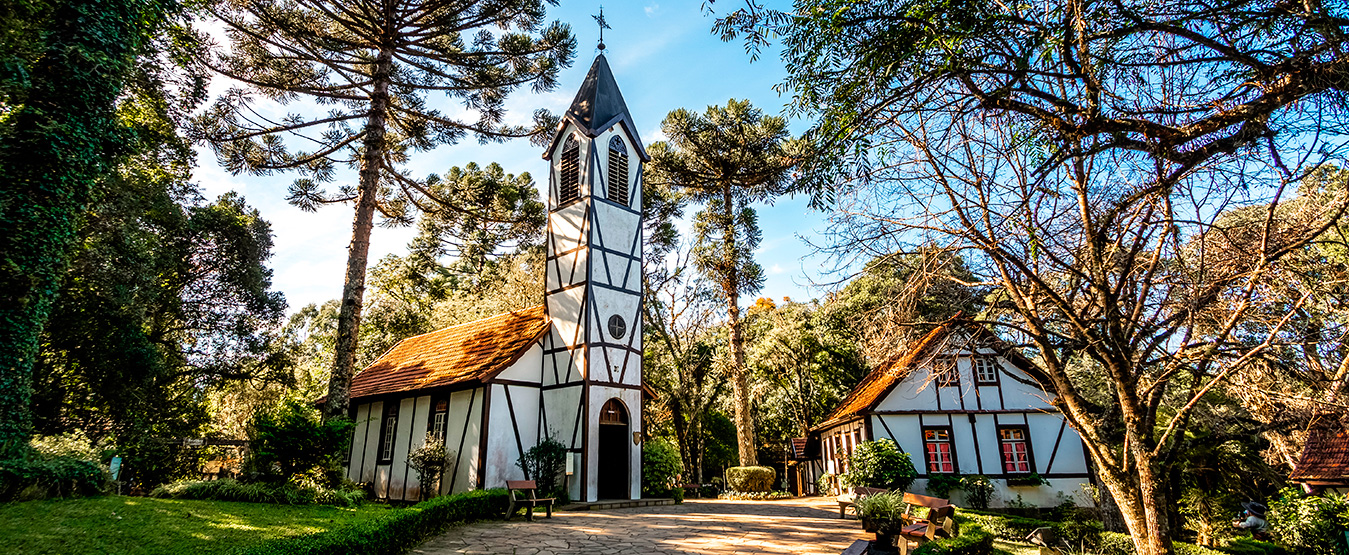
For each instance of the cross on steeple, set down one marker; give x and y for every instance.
(599, 19)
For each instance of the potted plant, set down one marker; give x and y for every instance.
(882, 513)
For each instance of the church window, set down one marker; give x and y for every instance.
(569, 178)
(386, 436)
(941, 459)
(985, 370)
(1015, 449)
(618, 171)
(617, 327)
(439, 419)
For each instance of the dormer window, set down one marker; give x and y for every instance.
(618, 171)
(569, 178)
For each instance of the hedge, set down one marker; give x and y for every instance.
(279, 494)
(1113, 543)
(1249, 546)
(1016, 528)
(973, 539)
(750, 479)
(394, 534)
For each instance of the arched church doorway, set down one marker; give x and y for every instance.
(613, 479)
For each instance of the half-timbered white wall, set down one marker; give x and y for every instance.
(393, 479)
(594, 272)
(974, 413)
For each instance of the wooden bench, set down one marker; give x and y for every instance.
(849, 500)
(695, 490)
(522, 495)
(940, 520)
(859, 547)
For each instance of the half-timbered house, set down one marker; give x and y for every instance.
(960, 402)
(569, 369)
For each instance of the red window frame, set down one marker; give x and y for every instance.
(939, 450)
(1014, 445)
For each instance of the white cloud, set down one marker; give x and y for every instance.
(776, 269)
(652, 9)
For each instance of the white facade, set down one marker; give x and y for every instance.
(580, 382)
(993, 420)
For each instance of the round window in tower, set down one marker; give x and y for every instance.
(617, 327)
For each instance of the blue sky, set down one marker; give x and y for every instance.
(663, 56)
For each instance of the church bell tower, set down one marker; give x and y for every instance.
(592, 355)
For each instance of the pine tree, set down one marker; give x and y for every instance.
(728, 158)
(373, 66)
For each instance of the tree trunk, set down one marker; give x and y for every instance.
(55, 148)
(744, 411)
(358, 252)
(1141, 499)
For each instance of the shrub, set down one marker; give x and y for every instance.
(544, 463)
(879, 464)
(1112, 543)
(1250, 546)
(1310, 524)
(941, 485)
(74, 445)
(397, 533)
(1081, 533)
(677, 493)
(277, 494)
(30, 475)
(295, 443)
(978, 490)
(973, 539)
(660, 467)
(429, 462)
(750, 479)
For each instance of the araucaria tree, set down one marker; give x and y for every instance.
(1083, 151)
(371, 68)
(728, 158)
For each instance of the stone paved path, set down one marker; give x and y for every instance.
(809, 526)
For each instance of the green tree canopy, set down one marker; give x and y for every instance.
(374, 69)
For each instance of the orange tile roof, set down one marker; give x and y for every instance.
(876, 385)
(1325, 457)
(471, 352)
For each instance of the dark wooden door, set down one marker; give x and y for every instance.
(613, 480)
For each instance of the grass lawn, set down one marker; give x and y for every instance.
(139, 525)
(1004, 547)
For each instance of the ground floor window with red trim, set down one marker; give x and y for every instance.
(1015, 450)
(941, 459)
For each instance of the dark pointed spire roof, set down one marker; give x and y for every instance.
(599, 105)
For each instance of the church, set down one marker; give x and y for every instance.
(569, 369)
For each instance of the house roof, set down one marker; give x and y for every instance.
(598, 106)
(473, 352)
(1325, 456)
(877, 384)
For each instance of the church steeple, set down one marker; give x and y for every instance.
(592, 355)
(599, 106)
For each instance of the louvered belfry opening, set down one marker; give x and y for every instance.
(569, 184)
(618, 171)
